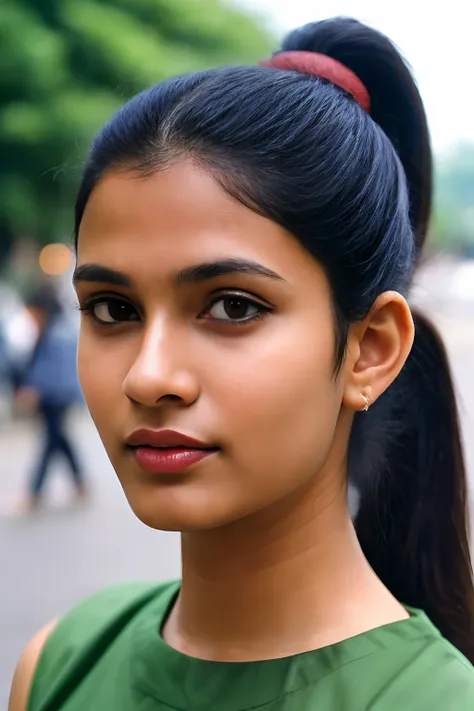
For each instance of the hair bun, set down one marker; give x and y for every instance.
(395, 100)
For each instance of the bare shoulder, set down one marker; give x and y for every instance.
(26, 667)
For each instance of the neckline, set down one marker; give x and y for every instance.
(181, 681)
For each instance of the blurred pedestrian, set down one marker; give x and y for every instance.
(5, 373)
(50, 386)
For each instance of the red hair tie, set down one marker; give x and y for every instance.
(325, 67)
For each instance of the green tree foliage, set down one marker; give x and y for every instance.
(453, 224)
(67, 65)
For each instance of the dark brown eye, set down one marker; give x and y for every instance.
(234, 308)
(112, 311)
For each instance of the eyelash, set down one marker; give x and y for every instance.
(88, 309)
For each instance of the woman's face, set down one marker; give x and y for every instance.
(207, 319)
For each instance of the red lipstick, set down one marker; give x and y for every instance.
(166, 451)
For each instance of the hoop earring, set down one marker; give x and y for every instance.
(367, 403)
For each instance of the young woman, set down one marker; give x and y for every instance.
(246, 238)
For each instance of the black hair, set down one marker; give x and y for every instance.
(355, 189)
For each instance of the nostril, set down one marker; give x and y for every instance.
(172, 398)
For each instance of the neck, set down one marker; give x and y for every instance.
(285, 581)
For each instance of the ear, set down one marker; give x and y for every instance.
(377, 349)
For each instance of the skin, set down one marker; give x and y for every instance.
(26, 668)
(265, 524)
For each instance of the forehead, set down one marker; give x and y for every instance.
(178, 217)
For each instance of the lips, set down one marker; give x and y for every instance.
(167, 451)
(164, 439)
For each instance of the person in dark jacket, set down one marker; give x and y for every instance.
(51, 386)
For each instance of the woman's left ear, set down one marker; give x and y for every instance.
(377, 348)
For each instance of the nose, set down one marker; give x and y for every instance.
(158, 373)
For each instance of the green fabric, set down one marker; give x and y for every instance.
(107, 655)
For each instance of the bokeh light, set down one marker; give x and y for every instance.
(55, 259)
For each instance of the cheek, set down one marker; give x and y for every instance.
(99, 367)
(281, 401)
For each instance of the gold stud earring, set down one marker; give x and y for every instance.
(367, 403)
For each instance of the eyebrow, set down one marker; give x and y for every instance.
(212, 270)
(97, 273)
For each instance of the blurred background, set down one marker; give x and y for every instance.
(65, 67)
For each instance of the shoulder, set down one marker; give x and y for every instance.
(446, 685)
(434, 673)
(26, 667)
(457, 672)
(76, 640)
(403, 665)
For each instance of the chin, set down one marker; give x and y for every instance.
(172, 512)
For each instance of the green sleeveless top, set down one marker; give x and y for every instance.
(108, 655)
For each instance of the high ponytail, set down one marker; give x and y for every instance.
(406, 455)
(395, 102)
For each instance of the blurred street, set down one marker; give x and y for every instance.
(54, 558)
